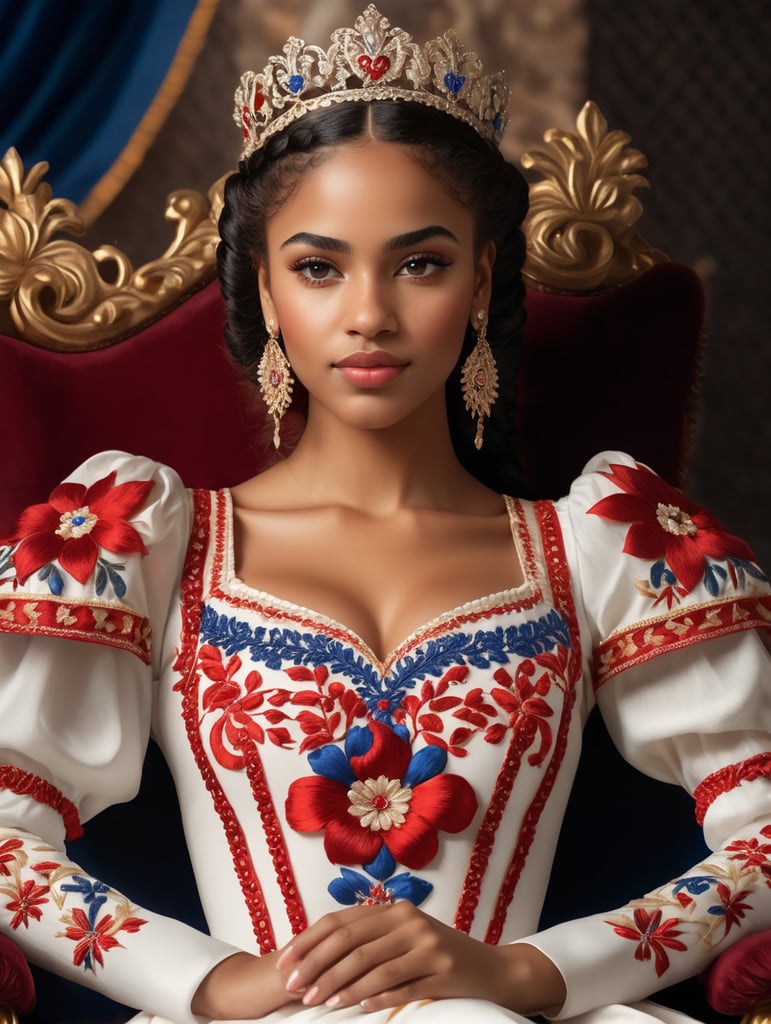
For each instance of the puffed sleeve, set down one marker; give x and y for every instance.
(86, 584)
(676, 619)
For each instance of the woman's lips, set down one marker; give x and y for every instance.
(370, 369)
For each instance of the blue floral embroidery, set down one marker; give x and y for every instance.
(276, 647)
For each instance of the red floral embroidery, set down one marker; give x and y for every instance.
(93, 941)
(666, 524)
(381, 796)
(27, 903)
(75, 522)
(653, 936)
(8, 854)
(732, 907)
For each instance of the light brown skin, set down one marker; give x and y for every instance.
(372, 521)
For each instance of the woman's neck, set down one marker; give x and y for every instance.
(409, 464)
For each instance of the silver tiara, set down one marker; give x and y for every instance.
(370, 61)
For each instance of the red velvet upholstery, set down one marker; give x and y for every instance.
(740, 979)
(16, 985)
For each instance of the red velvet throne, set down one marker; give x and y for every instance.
(611, 357)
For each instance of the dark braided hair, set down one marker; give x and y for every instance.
(473, 170)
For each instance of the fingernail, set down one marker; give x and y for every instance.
(294, 977)
(333, 1001)
(310, 995)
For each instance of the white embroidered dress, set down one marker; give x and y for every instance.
(310, 775)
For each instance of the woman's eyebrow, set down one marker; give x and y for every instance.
(317, 242)
(405, 241)
(412, 238)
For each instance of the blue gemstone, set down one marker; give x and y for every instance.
(78, 520)
(454, 82)
(497, 123)
(296, 82)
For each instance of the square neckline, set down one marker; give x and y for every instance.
(509, 598)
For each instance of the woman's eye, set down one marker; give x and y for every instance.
(422, 266)
(315, 270)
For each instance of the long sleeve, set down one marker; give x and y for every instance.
(86, 584)
(677, 615)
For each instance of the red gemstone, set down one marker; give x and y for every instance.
(375, 68)
(259, 99)
(379, 803)
(479, 378)
(275, 378)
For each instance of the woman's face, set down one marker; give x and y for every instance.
(372, 274)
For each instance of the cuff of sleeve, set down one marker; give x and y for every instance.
(157, 969)
(596, 966)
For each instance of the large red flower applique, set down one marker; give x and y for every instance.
(667, 525)
(75, 523)
(378, 793)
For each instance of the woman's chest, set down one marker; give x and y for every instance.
(383, 579)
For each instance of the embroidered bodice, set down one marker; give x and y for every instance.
(312, 776)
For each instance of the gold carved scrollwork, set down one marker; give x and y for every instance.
(55, 293)
(59, 295)
(580, 228)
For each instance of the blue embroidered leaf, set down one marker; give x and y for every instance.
(55, 581)
(349, 889)
(425, 764)
(743, 566)
(113, 570)
(332, 763)
(711, 581)
(101, 580)
(409, 887)
(94, 894)
(695, 884)
(383, 866)
(6, 558)
(358, 741)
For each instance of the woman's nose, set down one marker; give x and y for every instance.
(370, 308)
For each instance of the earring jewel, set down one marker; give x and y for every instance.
(479, 378)
(275, 379)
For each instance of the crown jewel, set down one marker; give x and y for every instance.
(371, 61)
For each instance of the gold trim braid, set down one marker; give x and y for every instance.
(133, 153)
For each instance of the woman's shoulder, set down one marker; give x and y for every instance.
(104, 544)
(646, 556)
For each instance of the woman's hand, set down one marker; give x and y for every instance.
(242, 987)
(384, 956)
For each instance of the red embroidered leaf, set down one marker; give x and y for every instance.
(274, 717)
(279, 698)
(280, 737)
(495, 733)
(456, 674)
(460, 736)
(300, 674)
(334, 721)
(440, 704)
(308, 698)
(427, 691)
(472, 717)
(432, 723)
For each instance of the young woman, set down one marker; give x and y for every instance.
(367, 669)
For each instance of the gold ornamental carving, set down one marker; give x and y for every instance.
(580, 229)
(57, 294)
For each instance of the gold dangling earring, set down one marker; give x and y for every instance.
(479, 378)
(275, 379)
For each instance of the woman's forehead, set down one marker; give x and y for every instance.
(371, 188)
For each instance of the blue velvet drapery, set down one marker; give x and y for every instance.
(77, 78)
